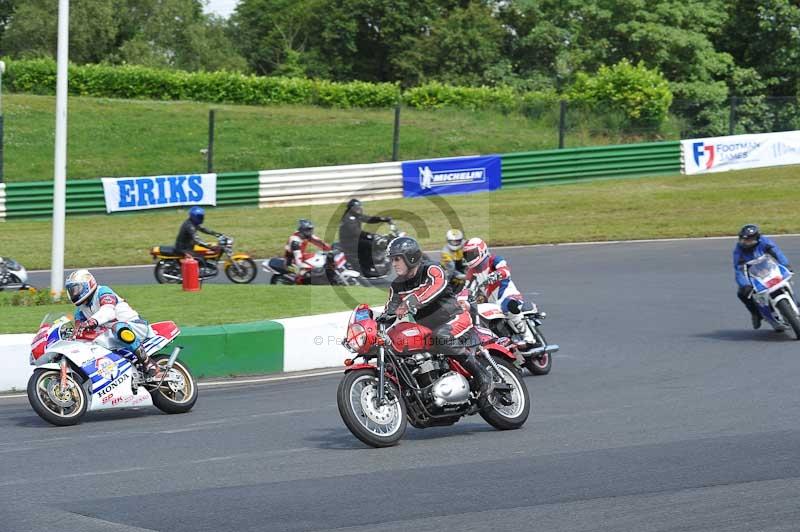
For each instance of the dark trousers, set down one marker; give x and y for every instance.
(747, 301)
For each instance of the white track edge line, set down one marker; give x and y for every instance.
(237, 382)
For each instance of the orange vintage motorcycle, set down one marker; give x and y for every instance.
(240, 268)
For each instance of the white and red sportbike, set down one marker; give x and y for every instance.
(79, 373)
(538, 355)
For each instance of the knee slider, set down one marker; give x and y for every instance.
(514, 306)
(125, 334)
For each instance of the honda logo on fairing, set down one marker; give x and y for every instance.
(429, 178)
(113, 384)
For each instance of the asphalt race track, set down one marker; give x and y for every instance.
(665, 411)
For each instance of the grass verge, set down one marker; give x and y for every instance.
(213, 305)
(109, 137)
(679, 206)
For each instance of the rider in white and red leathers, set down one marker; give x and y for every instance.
(98, 305)
(295, 249)
(483, 266)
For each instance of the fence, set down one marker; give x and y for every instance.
(330, 184)
(629, 160)
(333, 184)
(85, 196)
(2, 201)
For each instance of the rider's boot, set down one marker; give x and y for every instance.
(756, 318)
(484, 380)
(151, 369)
(522, 334)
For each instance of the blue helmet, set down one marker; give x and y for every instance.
(197, 215)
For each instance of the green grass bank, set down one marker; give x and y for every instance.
(678, 206)
(213, 305)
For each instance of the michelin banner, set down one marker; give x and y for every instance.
(459, 175)
(137, 193)
(718, 154)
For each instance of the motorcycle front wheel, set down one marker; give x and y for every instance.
(178, 394)
(241, 271)
(376, 425)
(513, 416)
(54, 406)
(168, 272)
(542, 364)
(786, 310)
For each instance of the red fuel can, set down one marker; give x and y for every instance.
(190, 271)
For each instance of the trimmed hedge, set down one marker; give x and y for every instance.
(642, 95)
(135, 82)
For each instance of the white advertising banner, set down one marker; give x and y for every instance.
(718, 154)
(137, 193)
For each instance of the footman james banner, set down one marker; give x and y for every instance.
(460, 175)
(137, 193)
(717, 154)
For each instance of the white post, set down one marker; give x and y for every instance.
(60, 176)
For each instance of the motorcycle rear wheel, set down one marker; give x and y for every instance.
(376, 426)
(785, 308)
(542, 364)
(168, 267)
(42, 383)
(246, 272)
(513, 416)
(175, 397)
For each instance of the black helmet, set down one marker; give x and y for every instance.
(749, 236)
(354, 206)
(305, 228)
(406, 247)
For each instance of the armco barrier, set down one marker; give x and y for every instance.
(330, 184)
(575, 164)
(221, 351)
(2, 201)
(85, 196)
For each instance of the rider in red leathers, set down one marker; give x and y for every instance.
(421, 289)
(295, 250)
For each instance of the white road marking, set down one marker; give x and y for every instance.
(238, 382)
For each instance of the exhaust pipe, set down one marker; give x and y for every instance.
(549, 349)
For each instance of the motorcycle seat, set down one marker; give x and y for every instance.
(279, 265)
(168, 250)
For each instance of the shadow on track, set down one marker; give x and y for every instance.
(743, 335)
(342, 439)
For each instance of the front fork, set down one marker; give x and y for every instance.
(381, 397)
(63, 375)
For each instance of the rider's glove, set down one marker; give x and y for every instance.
(82, 326)
(494, 277)
(91, 323)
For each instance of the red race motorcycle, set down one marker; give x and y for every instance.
(401, 381)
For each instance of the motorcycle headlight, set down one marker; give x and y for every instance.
(356, 337)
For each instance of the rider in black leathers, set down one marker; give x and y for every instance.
(187, 235)
(421, 289)
(357, 244)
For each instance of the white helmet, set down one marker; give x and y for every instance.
(455, 239)
(80, 286)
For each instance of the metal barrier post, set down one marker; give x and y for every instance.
(210, 150)
(396, 135)
(562, 124)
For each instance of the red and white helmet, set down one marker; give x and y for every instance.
(80, 286)
(475, 251)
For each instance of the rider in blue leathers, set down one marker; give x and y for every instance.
(751, 245)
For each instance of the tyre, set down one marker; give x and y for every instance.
(542, 364)
(241, 271)
(178, 395)
(274, 279)
(539, 365)
(513, 416)
(168, 272)
(786, 310)
(47, 400)
(376, 426)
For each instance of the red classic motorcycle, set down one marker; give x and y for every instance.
(400, 380)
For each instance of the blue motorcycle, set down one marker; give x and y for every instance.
(773, 293)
